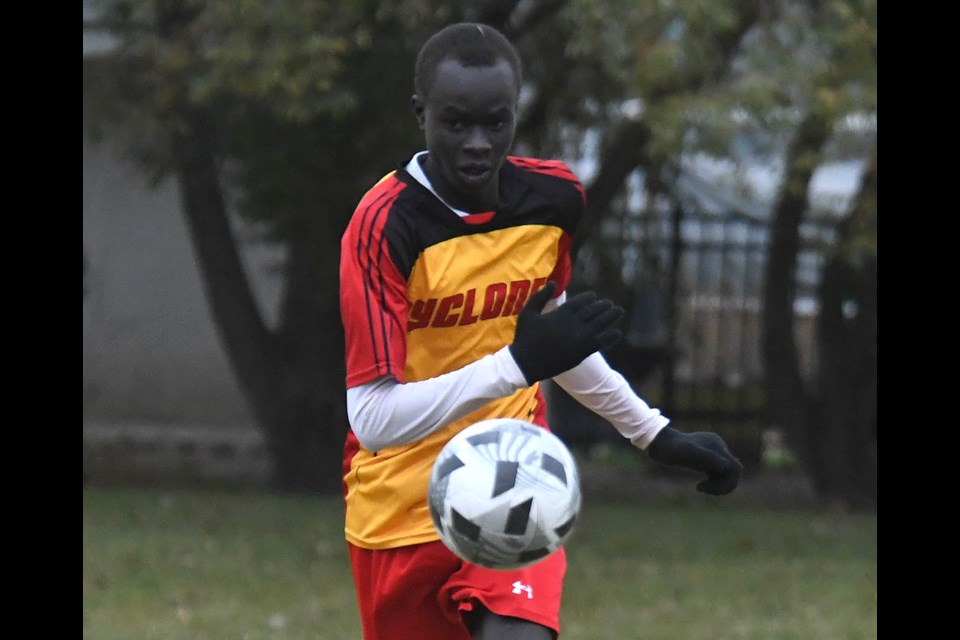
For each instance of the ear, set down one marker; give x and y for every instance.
(418, 108)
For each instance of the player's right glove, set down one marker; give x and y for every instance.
(546, 344)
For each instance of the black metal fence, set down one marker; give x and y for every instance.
(692, 285)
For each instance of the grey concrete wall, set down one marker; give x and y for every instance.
(151, 353)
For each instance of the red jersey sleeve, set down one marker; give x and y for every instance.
(373, 301)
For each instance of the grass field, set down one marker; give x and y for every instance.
(192, 565)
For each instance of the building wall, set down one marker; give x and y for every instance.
(150, 349)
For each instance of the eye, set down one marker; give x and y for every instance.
(499, 122)
(454, 125)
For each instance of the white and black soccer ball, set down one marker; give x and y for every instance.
(504, 493)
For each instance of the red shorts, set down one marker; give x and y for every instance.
(422, 591)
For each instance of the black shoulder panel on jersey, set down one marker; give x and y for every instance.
(531, 193)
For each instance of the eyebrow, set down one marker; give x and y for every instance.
(452, 109)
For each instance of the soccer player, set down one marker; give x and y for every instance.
(453, 276)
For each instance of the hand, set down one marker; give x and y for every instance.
(699, 451)
(546, 344)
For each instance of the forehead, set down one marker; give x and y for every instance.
(459, 86)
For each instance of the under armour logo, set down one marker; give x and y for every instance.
(519, 587)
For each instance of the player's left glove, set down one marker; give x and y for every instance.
(700, 451)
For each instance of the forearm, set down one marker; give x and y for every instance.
(386, 413)
(603, 390)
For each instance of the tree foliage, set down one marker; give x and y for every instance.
(285, 111)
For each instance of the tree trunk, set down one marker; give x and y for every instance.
(294, 392)
(285, 377)
(246, 340)
(789, 403)
(846, 437)
(846, 465)
(307, 440)
(832, 422)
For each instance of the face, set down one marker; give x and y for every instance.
(468, 120)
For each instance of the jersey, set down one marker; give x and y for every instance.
(423, 292)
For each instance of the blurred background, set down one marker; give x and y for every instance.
(729, 152)
(729, 155)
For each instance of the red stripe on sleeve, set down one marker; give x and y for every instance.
(373, 299)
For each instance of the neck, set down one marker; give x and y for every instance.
(479, 201)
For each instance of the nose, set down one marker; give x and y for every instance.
(477, 140)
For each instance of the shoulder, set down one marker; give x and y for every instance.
(388, 221)
(373, 214)
(384, 205)
(383, 194)
(550, 176)
(556, 168)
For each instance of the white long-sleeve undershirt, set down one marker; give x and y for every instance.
(386, 413)
(603, 390)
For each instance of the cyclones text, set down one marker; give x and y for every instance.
(499, 299)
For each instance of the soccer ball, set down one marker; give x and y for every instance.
(504, 493)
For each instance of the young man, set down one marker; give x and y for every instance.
(453, 279)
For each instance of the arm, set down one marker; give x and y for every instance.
(605, 391)
(386, 413)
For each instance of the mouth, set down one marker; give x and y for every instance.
(475, 173)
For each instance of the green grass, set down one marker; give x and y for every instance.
(171, 565)
(689, 572)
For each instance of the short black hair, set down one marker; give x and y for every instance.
(471, 44)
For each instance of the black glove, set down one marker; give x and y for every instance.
(699, 451)
(546, 344)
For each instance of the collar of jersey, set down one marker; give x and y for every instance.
(416, 172)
